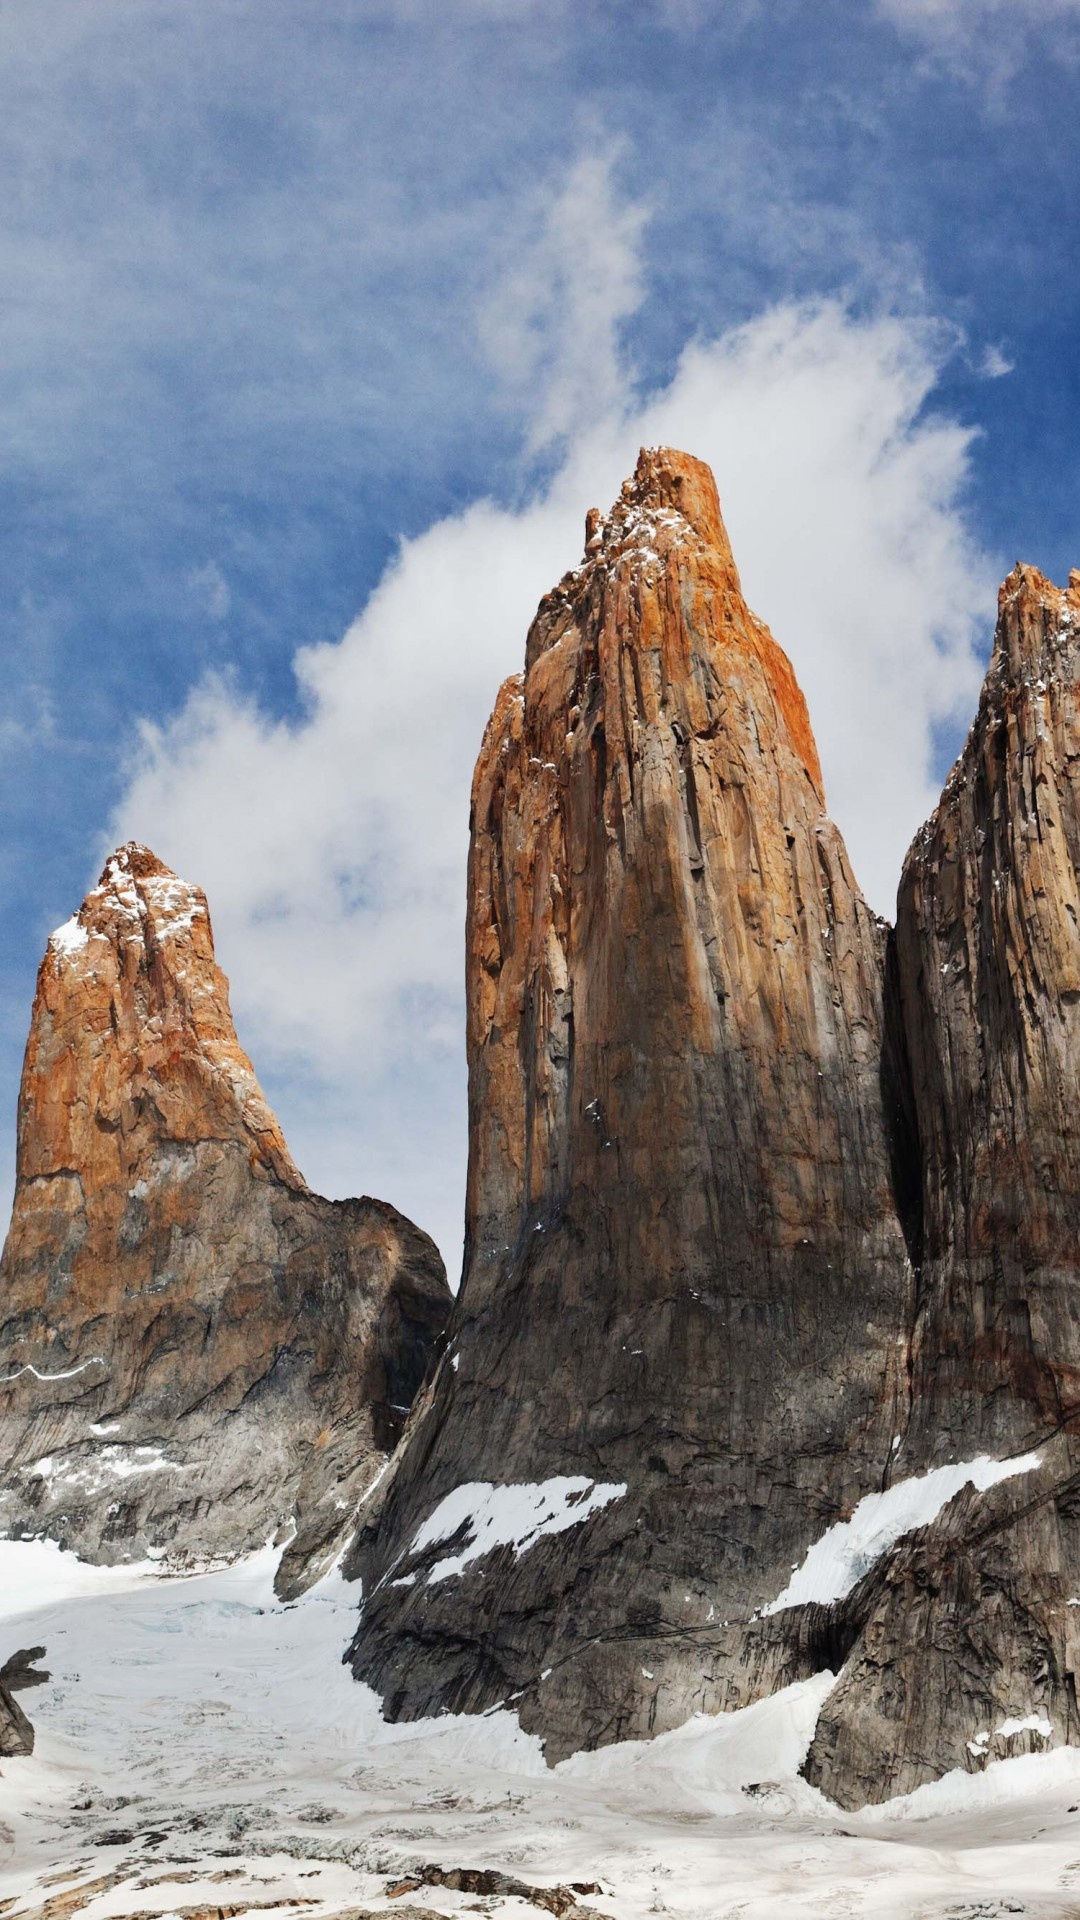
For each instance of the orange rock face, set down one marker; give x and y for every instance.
(686, 1280)
(200, 1350)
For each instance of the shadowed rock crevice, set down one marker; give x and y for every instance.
(901, 1115)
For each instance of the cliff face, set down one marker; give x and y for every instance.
(988, 939)
(968, 1626)
(679, 1349)
(200, 1352)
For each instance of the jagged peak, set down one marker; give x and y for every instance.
(1036, 620)
(143, 923)
(668, 492)
(134, 871)
(136, 859)
(667, 479)
(669, 507)
(1038, 623)
(134, 886)
(1027, 583)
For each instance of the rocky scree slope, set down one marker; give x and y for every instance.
(680, 1344)
(199, 1351)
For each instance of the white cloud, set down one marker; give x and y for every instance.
(333, 850)
(551, 324)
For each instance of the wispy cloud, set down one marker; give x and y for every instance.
(551, 322)
(210, 589)
(985, 41)
(994, 363)
(956, 19)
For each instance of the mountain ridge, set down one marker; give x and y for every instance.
(766, 1360)
(182, 1314)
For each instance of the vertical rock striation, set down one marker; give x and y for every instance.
(681, 1333)
(968, 1640)
(198, 1350)
(988, 941)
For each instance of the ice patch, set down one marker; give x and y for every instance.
(837, 1562)
(512, 1516)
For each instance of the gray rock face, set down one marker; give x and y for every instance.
(968, 1626)
(200, 1353)
(18, 1671)
(681, 1334)
(16, 1731)
(988, 941)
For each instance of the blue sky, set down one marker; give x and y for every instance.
(287, 285)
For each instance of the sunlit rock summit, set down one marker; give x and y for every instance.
(200, 1353)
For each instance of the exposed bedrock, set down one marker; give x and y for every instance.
(200, 1353)
(988, 940)
(682, 1334)
(972, 1625)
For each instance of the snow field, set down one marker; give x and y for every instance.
(196, 1728)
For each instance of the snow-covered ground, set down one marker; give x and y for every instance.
(200, 1745)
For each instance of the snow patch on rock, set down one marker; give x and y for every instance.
(69, 939)
(107, 1463)
(65, 1373)
(511, 1516)
(708, 1762)
(1031, 1723)
(837, 1562)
